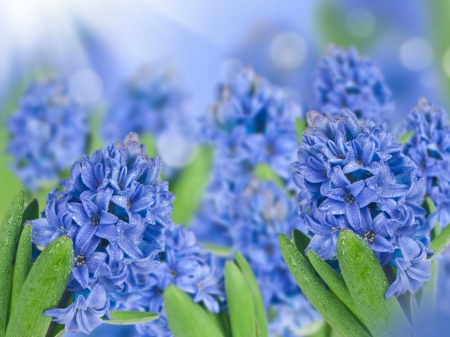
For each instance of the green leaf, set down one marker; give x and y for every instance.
(368, 285)
(313, 288)
(190, 185)
(440, 242)
(260, 312)
(217, 250)
(31, 212)
(264, 172)
(22, 265)
(42, 289)
(404, 138)
(187, 319)
(149, 141)
(9, 235)
(316, 328)
(301, 241)
(120, 317)
(300, 127)
(240, 302)
(61, 333)
(334, 282)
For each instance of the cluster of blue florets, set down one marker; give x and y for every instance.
(47, 133)
(115, 208)
(346, 80)
(429, 148)
(186, 265)
(354, 175)
(252, 123)
(150, 102)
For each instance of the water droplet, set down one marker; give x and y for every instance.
(293, 262)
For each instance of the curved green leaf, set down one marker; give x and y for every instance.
(217, 250)
(190, 185)
(120, 317)
(240, 302)
(335, 282)
(186, 318)
(440, 242)
(301, 241)
(300, 127)
(260, 312)
(42, 289)
(61, 333)
(316, 292)
(22, 265)
(367, 285)
(9, 235)
(31, 212)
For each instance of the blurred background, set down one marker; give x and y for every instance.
(96, 46)
(100, 46)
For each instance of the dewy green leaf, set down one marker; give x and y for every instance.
(440, 242)
(334, 282)
(187, 319)
(316, 292)
(301, 241)
(21, 266)
(190, 185)
(31, 212)
(260, 312)
(367, 285)
(42, 289)
(240, 302)
(120, 317)
(264, 172)
(9, 235)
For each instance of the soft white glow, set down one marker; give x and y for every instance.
(416, 54)
(86, 87)
(174, 149)
(360, 22)
(288, 50)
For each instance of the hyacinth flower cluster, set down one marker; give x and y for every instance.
(115, 208)
(429, 148)
(185, 264)
(353, 175)
(346, 80)
(251, 122)
(47, 133)
(150, 102)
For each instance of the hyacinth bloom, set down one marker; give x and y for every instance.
(85, 313)
(353, 175)
(115, 208)
(185, 264)
(47, 133)
(346, 80)
(429, 148)
(152, 101)
(252, 121)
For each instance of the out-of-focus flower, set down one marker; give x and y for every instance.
(185, 264)
(251, 122)
(116, 208)
(346, 80)
(353, 175)
(47, 133)
(429, 148)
